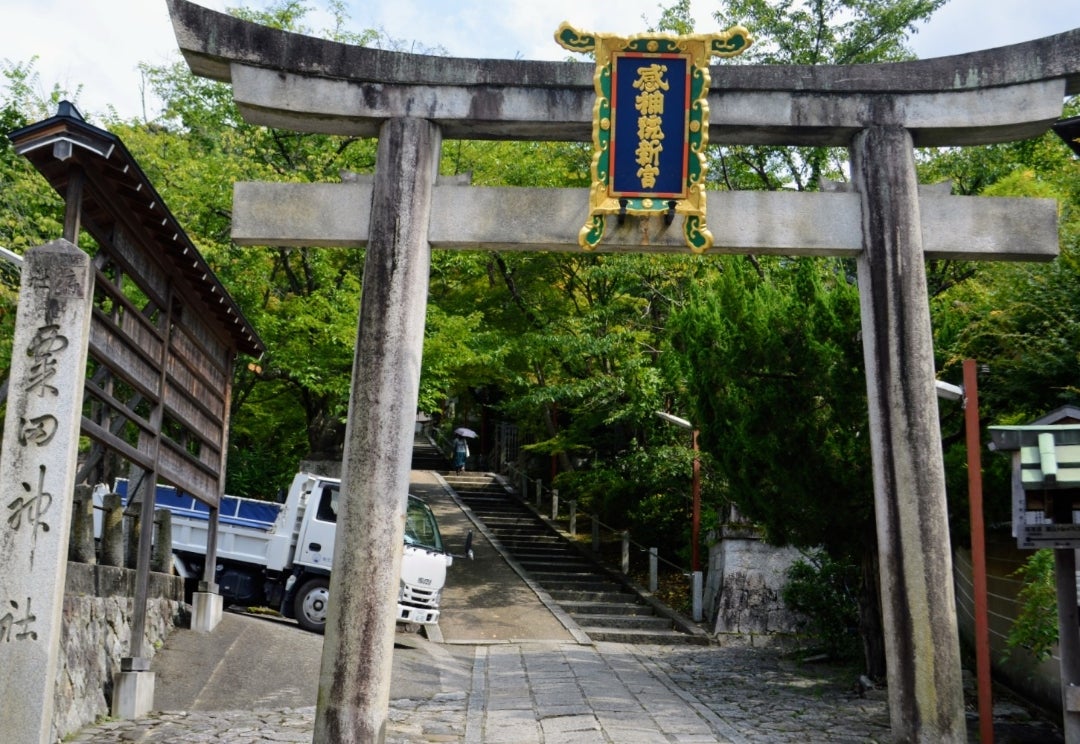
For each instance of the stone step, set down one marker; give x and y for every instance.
(494, 503)
(584, 584)
(496, 515)
(510, 533)
(549, 543)
(541, 552)
(623, 622)
(620, 635)
(572, 576)
(543, 541)
(542, 546)
(606, 596)
(604, 609)
(561, 563)
(509, 523)
(595, 609)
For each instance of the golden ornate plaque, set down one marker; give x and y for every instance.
(651, 125)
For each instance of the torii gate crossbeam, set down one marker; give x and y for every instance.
(880, 112)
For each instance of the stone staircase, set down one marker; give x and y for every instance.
(605, 606)
(426, 456)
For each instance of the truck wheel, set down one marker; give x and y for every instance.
(310, 604)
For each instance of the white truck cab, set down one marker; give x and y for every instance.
(424, 560)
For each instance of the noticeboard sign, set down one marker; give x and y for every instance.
(651, 125)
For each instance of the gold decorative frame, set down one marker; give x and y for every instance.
(694, 51)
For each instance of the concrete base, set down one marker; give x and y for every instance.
(206, 609)
(746, 582)
(133, 694)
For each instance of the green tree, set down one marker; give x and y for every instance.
(815, 32)
(1017, 320)
(769, 347)
(303, 301)
(31, 213)
(773, 365)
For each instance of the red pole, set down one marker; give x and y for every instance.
(695, 564)
(978, 552)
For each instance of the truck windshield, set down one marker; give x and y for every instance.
(421, 529)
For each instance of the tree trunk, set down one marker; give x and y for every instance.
(870, 628)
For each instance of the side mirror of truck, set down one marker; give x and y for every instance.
(468, 545)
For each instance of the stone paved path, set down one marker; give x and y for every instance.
(567, 693)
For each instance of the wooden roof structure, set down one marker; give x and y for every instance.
(120, 196)
(164, 334)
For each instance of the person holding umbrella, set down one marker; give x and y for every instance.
(461, 447)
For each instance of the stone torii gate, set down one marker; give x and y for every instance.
(891, 226)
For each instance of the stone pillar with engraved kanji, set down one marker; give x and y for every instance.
(37, 474)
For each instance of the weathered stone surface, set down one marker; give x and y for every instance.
(761, 222)
(112, 530)
(746, 581)
(81, 549)
(918, 606)
(354, 687)
(37, 466)
(96, 634)
(307, 84)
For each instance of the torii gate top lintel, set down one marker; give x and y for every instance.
(983, 97)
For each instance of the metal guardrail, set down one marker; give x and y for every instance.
(521, 482)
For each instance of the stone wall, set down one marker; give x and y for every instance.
(96, 634)
(746, 578)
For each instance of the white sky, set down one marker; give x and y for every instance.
(98, 43)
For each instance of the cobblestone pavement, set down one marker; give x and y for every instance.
(761, 696)
(564, 693)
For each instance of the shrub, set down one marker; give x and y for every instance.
(824, 591)
(1035, 627)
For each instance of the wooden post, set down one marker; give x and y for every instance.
(978, 553)
(1068, 641)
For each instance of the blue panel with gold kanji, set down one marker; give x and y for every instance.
(650, 118)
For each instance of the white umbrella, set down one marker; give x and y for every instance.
(461, 431)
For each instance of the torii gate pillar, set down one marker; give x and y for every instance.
(915, 562)
(360, 624)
